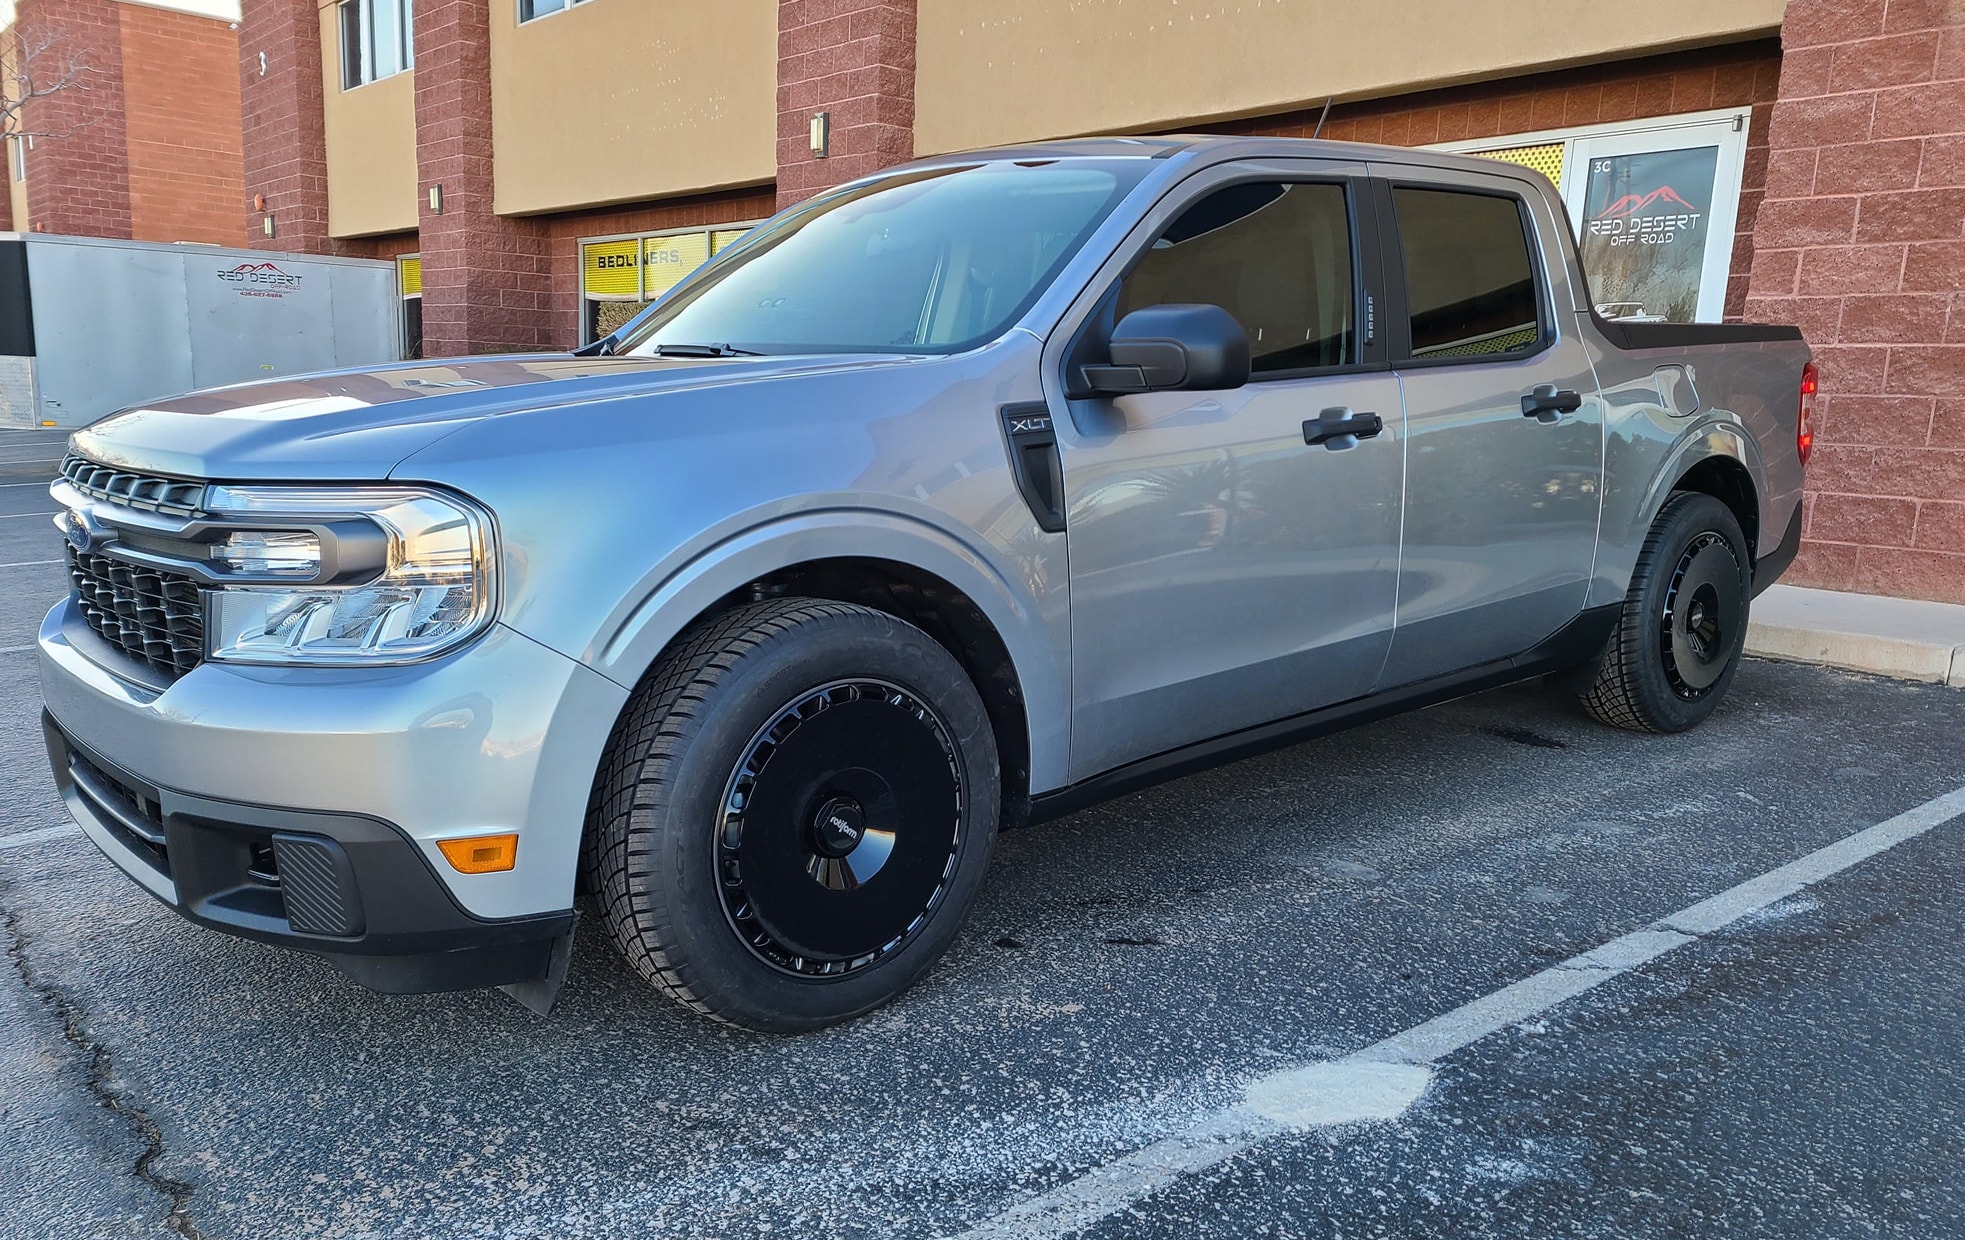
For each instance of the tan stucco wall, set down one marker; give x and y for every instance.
(371, 146)
(1012, 70)
(617, 102)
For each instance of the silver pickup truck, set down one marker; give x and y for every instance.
(951, 500)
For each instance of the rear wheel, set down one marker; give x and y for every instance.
(795, 814)
(1684, 622)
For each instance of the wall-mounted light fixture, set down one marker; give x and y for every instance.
(821, 134)
(266, 226)
(436, 200)
(262, 62)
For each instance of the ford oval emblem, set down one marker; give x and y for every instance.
(80, 531)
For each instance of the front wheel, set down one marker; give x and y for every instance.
(795, 814)
(1678, 639)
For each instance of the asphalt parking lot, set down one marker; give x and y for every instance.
(1130, 973)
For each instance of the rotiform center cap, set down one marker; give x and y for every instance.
(838, 826)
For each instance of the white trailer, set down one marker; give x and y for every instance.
(89, 326)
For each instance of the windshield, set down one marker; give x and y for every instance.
(932, 261)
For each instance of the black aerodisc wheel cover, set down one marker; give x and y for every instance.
(1702, 616)
(790, 892)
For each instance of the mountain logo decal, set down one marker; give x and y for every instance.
(1631, 204)
(260, 275)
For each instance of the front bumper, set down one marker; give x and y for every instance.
(302, 806)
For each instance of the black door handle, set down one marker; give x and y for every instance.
(1546, 403)
(1339, 429)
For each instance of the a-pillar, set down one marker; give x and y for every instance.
(487, 285)
(1861, 240)
(854, 60)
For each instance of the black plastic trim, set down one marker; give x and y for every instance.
(414, 935)
(1768, 568)
(1034, 461)
(1632, 337)
(1576, 643)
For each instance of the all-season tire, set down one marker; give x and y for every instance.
(794, 814)
(1677, 643)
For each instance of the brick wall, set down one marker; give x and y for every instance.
(487, 284)
(854, 59)
(284, 138)
(78, 172)
(1862, 242)
(181, 92)
(1736, 76)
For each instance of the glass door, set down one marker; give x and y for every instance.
(1655, 210)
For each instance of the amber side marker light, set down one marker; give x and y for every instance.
(481, 854)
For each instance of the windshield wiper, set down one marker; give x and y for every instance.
(703, 350)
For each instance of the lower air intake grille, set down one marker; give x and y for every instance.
(154, 616)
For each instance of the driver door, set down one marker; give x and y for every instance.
(1224, 571)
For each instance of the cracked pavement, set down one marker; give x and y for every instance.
(1128, 969)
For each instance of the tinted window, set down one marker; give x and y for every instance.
(931, 260)
(1276, 256)
(1469, 282)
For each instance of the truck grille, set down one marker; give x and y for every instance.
(172, 496)
(154, 616)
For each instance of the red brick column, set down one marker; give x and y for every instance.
(285, 137)
(487, 281)
(78, 174)
(1861, 240)
(855, 60)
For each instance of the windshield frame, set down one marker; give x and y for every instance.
(642, 335)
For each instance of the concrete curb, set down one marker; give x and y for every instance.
(1908, 639)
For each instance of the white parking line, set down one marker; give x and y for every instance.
(5, 485)
(43, 513)
(15, 649)
(43, 836)
(31, 563)
(1382, 1080)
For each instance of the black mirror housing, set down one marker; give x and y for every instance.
(1185, 348)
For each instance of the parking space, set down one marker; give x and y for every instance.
(1128, 971)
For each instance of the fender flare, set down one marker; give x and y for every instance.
(1710, 439)
(676, 599)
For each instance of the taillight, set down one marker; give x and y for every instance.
(1804, 430)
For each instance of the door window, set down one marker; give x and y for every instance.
(1275, 255)
(1470, 282)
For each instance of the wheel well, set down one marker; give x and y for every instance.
(1727, 481)
(945, 614)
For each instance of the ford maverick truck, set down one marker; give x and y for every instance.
(950, 500)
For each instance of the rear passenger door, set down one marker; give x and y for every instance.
(1502, 495)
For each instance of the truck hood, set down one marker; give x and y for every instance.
(357, 425)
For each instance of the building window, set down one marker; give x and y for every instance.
(376, 40)
(621, 276)
(1654, 204)
(529, 9)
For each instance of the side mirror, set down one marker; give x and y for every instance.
(1184, 348)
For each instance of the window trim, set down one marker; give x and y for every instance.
(1367, 350)
(1398, 328)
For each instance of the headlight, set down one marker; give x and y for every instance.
(386, 574)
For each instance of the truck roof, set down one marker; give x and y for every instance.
(1218, 147)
